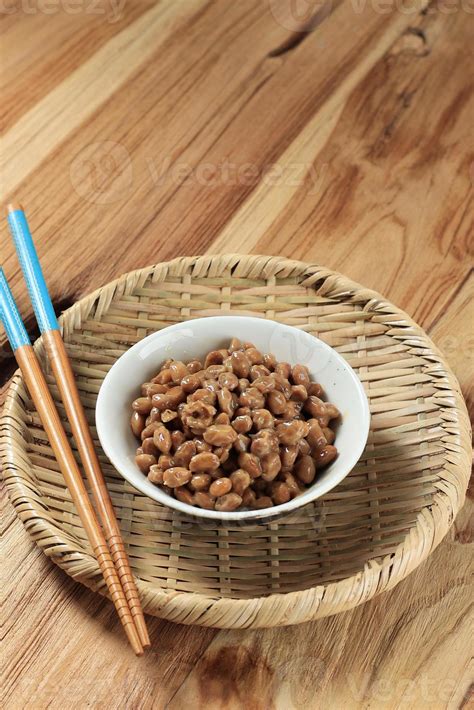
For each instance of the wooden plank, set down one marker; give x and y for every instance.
(383, 139)
(204, 103)
(71, 31)
(36, 133)
(66, 646)
(453, 334)
(405, 648)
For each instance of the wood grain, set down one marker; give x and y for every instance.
(233, 128)
(28, 76)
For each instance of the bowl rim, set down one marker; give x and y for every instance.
(246, 516)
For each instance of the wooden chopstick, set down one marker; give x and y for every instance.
(64, 377)
(41, 396)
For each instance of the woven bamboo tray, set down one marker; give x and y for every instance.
(359, 540)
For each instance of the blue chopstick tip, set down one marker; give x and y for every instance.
(31, 268)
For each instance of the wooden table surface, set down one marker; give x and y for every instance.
(337, 132)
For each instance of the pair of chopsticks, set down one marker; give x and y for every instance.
(107, 544)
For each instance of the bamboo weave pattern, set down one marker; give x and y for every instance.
(357, 541)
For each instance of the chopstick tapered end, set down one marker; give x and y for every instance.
(14, 207)
(142, 631)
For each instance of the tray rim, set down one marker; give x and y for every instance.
(283, 608)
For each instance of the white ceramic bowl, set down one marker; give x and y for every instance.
(195, 338)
